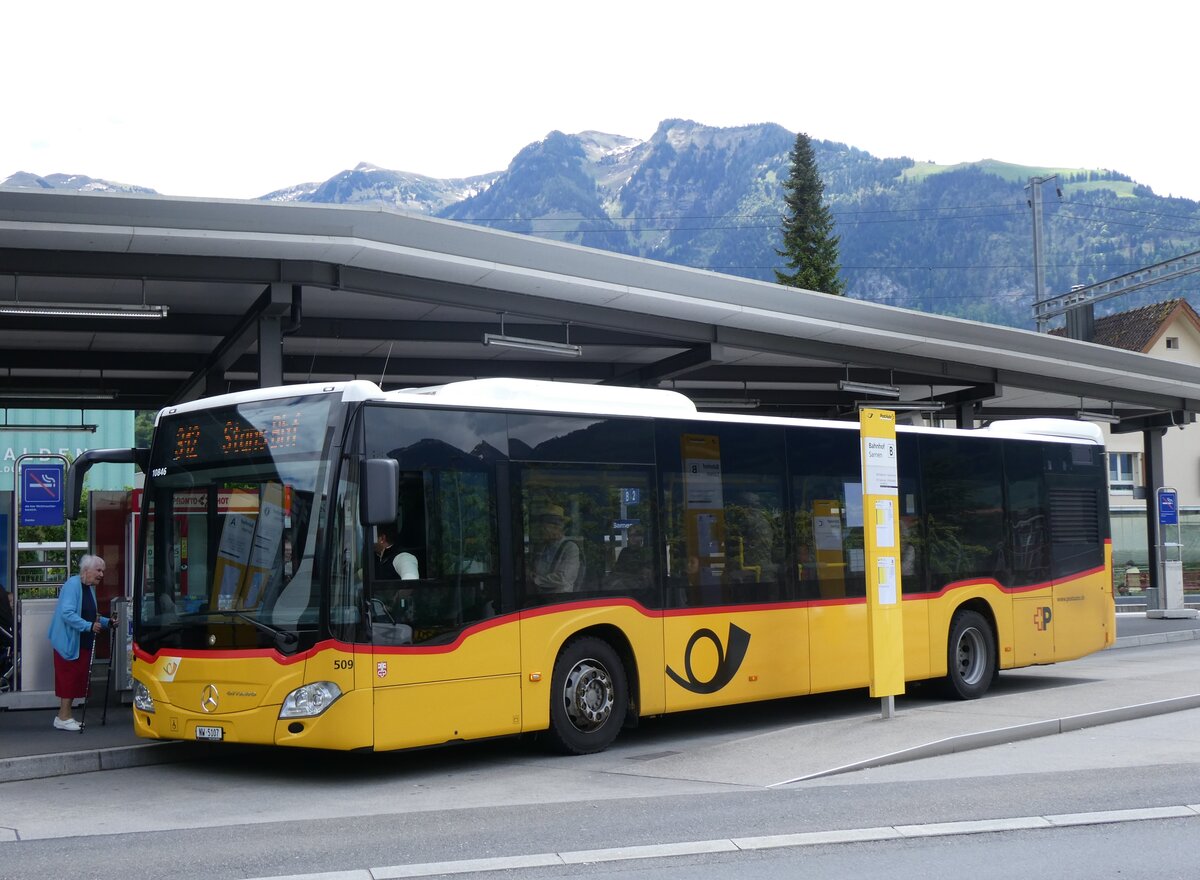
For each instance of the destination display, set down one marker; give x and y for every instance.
(251, 431)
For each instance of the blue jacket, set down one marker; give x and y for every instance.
(66, 625)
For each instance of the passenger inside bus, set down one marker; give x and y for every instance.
(633, 568)
(558, 563)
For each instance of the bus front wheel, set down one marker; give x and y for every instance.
(970, 656)
(589, 697)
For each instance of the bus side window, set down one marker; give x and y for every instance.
(723, 503)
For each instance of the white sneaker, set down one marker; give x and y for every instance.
(70, 724)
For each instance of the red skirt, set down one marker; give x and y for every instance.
(71, 676)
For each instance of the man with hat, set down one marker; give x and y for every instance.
(557, 561)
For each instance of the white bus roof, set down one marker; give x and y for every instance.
(576, 397)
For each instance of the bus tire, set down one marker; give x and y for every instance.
(589, 697)
(970, 656)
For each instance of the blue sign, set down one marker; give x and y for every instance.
(1168, 507)
(631, 496)
(42, 495)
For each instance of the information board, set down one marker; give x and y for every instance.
(42, 494)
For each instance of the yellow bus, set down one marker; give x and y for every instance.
(338, 567)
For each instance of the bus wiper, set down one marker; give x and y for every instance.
(167, 629)
(285, 641)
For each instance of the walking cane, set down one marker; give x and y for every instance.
(87, 690)
(112, 656)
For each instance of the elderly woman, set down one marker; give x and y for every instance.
(72, 633)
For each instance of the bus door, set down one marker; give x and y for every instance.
(446, 665)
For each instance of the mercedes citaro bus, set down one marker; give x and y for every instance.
(576, 557)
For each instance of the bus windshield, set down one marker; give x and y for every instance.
(230, 530)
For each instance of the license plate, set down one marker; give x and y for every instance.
(210, 733)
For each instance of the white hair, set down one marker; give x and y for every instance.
(89, 561)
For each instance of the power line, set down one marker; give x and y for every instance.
(1135, 211)
(1100, 220)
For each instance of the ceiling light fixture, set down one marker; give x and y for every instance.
(899, 406)
(57, 395)
(90, 429)
(1106, 418)
(868, 388)
(726, 402)
(564, 349)
(77, 310)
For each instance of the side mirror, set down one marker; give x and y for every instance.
(379, 490)
(138, 456)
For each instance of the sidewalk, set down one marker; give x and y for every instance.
(1114, 685)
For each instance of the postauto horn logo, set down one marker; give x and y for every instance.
(1041, 618)
(728, 662)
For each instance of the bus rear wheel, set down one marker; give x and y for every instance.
(589, 697)
(970, 656)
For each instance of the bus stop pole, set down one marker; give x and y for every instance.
(881, 549)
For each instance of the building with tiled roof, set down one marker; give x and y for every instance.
(1143, 328)
(1169, 330)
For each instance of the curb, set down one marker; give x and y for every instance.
(1003, 735)
(1179, 635)
(142, 755)
(117, 758)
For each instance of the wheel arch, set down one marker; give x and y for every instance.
(953, 685)
(937, 646)
(984, 608)
(616, 638)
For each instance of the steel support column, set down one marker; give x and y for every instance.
(1152, 447)
(270, 340)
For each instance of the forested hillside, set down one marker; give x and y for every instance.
(952, 240)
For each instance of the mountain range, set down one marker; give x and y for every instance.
(953, 240)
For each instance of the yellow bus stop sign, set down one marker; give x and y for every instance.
(881, 546)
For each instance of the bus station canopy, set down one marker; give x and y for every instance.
(259, 293)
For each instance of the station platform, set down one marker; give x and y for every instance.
(1115, 685)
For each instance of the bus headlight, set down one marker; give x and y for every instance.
(141, 697)
(310, 700)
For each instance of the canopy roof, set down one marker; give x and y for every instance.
(334, 292)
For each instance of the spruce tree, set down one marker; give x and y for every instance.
(808, 243)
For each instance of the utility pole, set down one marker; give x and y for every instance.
(1039, 260)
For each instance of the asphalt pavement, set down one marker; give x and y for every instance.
(1161, 676)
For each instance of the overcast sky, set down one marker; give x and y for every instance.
(221, 99)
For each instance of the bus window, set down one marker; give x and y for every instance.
(440, 572)
(1027, 520)
(826, 476)
(962, 478)
(723, 510)
(913, 570)
(346, 571)
(1079, 522)
(578, 523)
